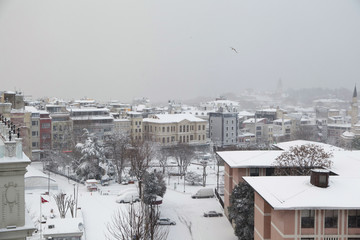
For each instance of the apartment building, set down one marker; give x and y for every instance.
(62, 127)
(96, 120)
(170, 129)
(34, 132)
(45, 130)
(223, 128)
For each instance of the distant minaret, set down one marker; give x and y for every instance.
(354, 110)
(279, 88)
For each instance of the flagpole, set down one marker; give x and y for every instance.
(40, 218)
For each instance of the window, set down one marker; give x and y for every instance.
(307, 218)
(203, 127)
(168, 129)
(34, 144)
(258, 128)
(354, 218)
(187, 128)
(254, 172)
(191, 137)
(331, 218)
(180, 128)
(163, 129)
(270, 171)
(199, 128)
(34, 123)
(45, 125)
(54, 128)
(34, 133)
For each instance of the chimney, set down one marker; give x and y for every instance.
(320, 178)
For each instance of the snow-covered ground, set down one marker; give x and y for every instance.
(98, 209)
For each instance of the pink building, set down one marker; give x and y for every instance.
(295, 208)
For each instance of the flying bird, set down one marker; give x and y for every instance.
(233, 49)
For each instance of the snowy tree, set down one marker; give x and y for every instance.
(140, 154)
(154, 184)
(241, 211)
(299, 160)
(193, 178)
(183, 154)
(116, 145)
(137, 222)
(92, 154)
(355, 143)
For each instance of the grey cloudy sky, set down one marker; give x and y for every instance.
(161, 49)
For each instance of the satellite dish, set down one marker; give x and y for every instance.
(81, 226)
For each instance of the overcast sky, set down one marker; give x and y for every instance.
(176, 49)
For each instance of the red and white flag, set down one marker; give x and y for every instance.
(43, 200)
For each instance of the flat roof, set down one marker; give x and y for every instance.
(296, 192)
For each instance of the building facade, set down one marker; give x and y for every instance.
(168, 129)
(223, 128)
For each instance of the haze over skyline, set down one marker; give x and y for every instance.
(174, 49)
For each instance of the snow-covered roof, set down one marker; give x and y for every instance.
(247, 159)
(286, 145)
(339, 125)
(344, 163)
(91, 117)
(173, 118)
(245, 113)
(280, 120)
(296, 192)
(31, 109)
(67, 226)
(88, 109)
(252, 120)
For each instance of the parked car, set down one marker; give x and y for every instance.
(212, 214)
(128, 197)
(165, 221)
(156, 200)
(204, 193)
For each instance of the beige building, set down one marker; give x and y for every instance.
(136, 125)
(170, 129)
(122, 125)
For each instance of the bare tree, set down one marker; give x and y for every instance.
(137, 222)
(63, 203)
(140, 154)
(299, 160)
(163, 155)
(183, 154)
(116, 145)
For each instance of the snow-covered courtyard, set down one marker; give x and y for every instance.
(98, 208)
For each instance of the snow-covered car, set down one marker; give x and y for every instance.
(212, 214)
(128, 197)
(156, 200)
(165, 221)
